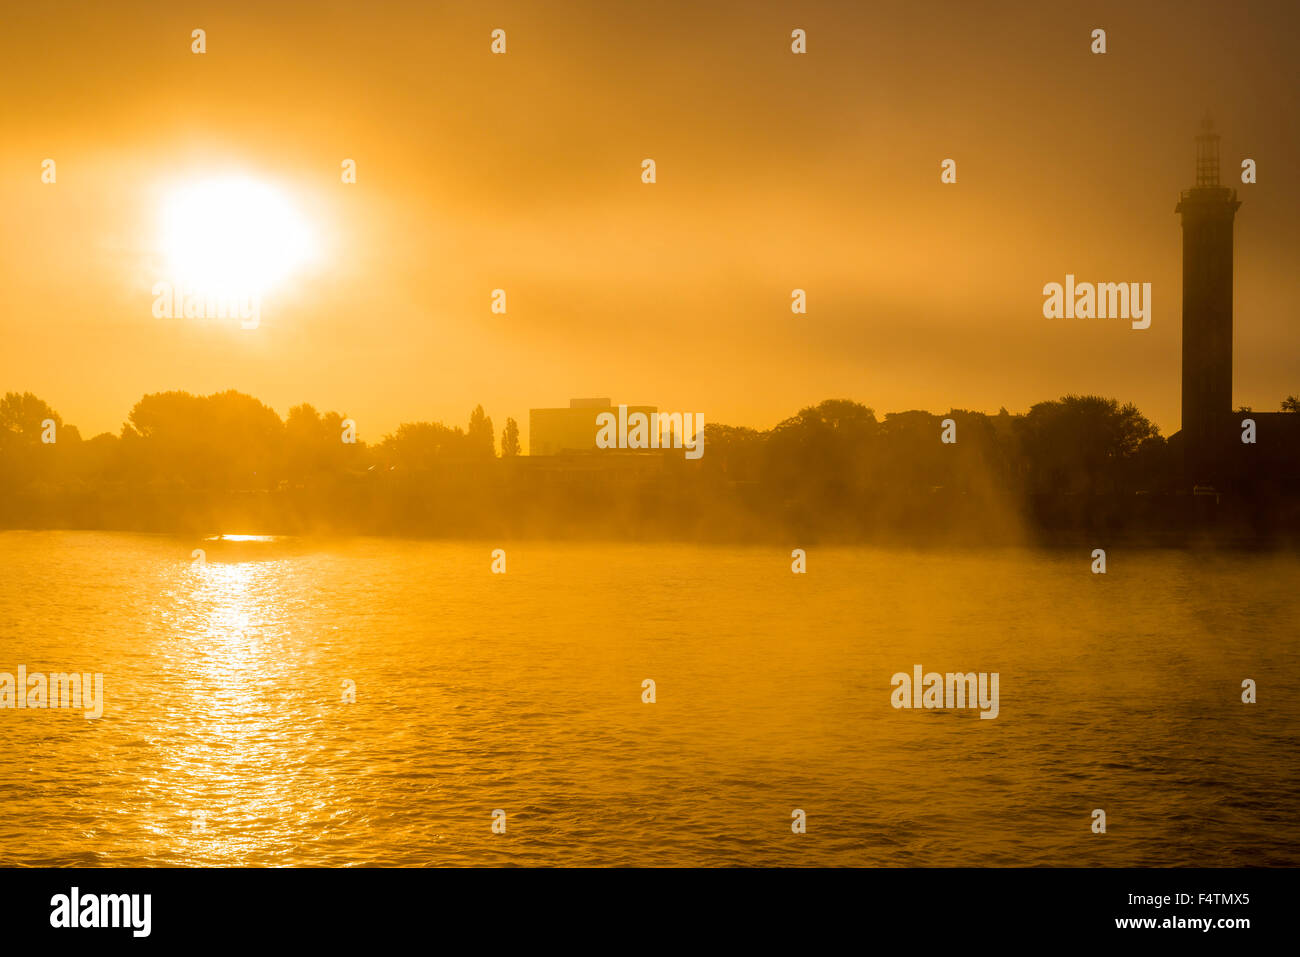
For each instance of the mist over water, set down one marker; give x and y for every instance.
(474, 691)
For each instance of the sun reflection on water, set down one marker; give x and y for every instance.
(243, 706)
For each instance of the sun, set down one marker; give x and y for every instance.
(236, 236)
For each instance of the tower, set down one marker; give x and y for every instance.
(1207, 212)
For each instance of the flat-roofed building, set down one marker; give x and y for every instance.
(555, 431)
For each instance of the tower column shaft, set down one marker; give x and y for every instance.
(1207, 218)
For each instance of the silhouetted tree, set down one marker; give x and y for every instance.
(21, 417)
(225, 440)
(481, 437)
(510, 439)
(822, 455)
(734, 452)
(25, 460)
(1074, 444)
(422, 446)
(314, 445)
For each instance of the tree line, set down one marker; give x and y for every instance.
(185, 462)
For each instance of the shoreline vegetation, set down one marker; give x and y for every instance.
(1079, 469)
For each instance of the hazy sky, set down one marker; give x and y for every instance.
(522, 171)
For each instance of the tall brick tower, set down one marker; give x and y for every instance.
(1207, 213)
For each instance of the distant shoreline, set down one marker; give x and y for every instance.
(1177, 521)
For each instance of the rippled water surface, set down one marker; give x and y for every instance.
(226, 738)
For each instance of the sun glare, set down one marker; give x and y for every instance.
(236, 236)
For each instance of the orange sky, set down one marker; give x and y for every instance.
(522, 171)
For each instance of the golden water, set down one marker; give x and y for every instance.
(225, 738)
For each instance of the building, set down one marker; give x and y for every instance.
(555, 431)
(1207, 211)
(1211, 437)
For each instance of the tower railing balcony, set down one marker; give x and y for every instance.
(1208, 193)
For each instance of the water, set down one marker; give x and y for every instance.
(226, 740)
